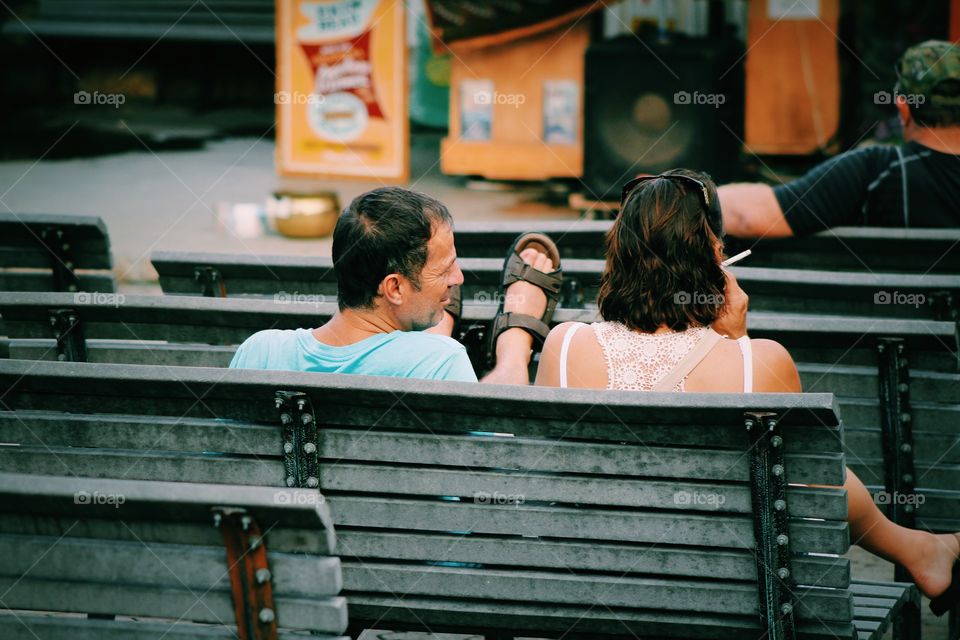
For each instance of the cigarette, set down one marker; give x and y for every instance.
(737, 258)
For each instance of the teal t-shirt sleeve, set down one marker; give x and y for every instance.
(457, 368)
(254, 353)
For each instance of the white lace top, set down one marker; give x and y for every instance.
(638, 361)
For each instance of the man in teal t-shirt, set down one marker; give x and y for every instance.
(395, 260)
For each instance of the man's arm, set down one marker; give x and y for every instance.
(752, 211)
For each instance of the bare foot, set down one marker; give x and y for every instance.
(936, 572)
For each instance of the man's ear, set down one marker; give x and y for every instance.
(904, 110)
(390, 289)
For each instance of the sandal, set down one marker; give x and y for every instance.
(455, 309)
(951, 597)
(514, 270)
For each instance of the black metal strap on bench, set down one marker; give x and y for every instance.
(57, 245)
(300, 452)
(250, 576)
(897, 434)
(768, 489)
(68, 331)
(210, 281)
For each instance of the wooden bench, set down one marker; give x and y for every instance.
(499, 510)
(212, 20)
(935, 251)
(153, 560)
(54, 253)
(312, 279)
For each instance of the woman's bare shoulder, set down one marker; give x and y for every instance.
(773, 367)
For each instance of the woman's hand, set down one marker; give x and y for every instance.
(732, 321)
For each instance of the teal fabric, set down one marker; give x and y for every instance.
(404, 354)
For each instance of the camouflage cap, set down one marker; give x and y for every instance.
(926, 65)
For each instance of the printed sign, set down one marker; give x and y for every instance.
(341, 89)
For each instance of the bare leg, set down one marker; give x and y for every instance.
(928, 557)
(514, 345)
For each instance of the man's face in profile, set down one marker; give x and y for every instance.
(423, 308)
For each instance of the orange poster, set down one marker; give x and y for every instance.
(342, 89)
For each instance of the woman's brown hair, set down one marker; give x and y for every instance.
(662, 266)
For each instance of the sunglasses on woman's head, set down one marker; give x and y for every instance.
(701, 188)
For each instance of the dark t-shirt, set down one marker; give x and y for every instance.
(866, 187)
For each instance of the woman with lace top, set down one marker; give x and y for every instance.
(674, 319)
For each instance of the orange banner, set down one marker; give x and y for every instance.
(341, 89)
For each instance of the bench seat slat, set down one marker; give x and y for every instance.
(637, 526)
(30, 626)
(580, 556)
(163, 565)
(288, 540)
(649, 460)
(579, 622)
(322, 614)
(414, 481)
(562, 587)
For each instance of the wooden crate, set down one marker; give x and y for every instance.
(515, 150)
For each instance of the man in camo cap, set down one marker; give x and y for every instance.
(914, 184)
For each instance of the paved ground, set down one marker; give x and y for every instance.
(165, 201)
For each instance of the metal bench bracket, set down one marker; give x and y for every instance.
(768, 490)
(897, 435)
(71, 344)
(301, 456)
(210, 281)
(58, 250)
(251, 582)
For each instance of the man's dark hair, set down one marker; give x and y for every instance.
(662, 267)
(381, 232)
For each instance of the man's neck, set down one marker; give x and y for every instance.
(353, 325)
(942, 139)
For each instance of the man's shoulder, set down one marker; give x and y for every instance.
(262, 349)
(432, 341)
(271, 337)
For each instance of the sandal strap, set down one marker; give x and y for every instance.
(517, 270)
(510, 320)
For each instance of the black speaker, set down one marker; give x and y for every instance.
(652, 106)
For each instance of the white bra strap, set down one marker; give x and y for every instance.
(564, 349)
(746, 349)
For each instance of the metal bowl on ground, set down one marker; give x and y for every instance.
(303, 214)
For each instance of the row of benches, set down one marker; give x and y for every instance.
(897, 380)
(80, 323)
(292, 279)
(493, 510)
(53, 253)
